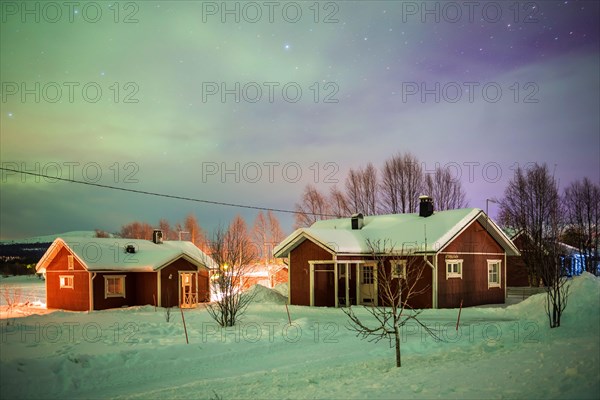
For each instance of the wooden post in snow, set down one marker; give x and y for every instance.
(184, 328)
(459, 311)
(288, 313)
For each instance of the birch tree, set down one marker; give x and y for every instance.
(401, 184)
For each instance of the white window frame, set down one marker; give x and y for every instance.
(398, 269)
(497, 263)
(70, 262)
(459, 269)
(66, 281)
(106, 279)
(370, 275)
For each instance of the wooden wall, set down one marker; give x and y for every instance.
(516, 270)
(76, 299)
(101, 303)
(475, 247)
(203, 285)
(145, 288)
(299, 271)
(169, 289)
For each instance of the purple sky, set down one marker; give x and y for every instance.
(527, 78)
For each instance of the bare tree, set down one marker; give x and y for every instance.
(99, 233)
(361, 190)
(196, 233)
(260, 234)
(234, 253)
(165, 227)
(398, 281)
(401, 184)
(12, 298)
(312, 208)
(136, 230)
(275, 230)
(582, 206)
(553, 271)
(447, 192)
(338, 203)
(266, 233)
(530, 201)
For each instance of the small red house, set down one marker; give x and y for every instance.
(266, 275)
(464, 254)
(98, 273)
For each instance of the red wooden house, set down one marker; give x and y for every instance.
(464, 254)
(99, 273)
(516, 270)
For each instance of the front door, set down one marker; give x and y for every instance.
(367, 284)
(187, 290)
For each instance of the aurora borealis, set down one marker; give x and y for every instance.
(247, 102)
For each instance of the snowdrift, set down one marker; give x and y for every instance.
(283, 289)
(264, 295)
(583, 303)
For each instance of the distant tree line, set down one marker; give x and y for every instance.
(259, 240)
(393, 189)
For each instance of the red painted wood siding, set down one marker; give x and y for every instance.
(102, 303)
(203, 285)
(472, 289)
(170, 287)
(145, 288)
(516, 270)
(299, 270)
(76, 299)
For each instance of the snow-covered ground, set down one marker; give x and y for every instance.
(498, 352)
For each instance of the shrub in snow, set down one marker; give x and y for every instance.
(396, 294)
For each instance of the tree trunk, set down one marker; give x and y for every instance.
(397, 339)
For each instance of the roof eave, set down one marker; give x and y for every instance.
(53, 250)
(294, 240)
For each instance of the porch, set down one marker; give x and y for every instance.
(342, 283)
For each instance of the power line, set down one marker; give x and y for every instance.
(170, 196)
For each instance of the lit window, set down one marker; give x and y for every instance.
(399, 269)
(114, 286)
(454, 269)
(493, 273)
(66, 281)
(70, 262)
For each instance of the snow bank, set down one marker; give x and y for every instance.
(583, 302)
(283, 289)
(264, 295)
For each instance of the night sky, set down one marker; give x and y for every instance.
(247, 103)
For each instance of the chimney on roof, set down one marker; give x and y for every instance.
(357, 221)
(157, 236)
(425, 206)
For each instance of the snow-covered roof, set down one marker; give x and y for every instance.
(109, 254)
(405, 232)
